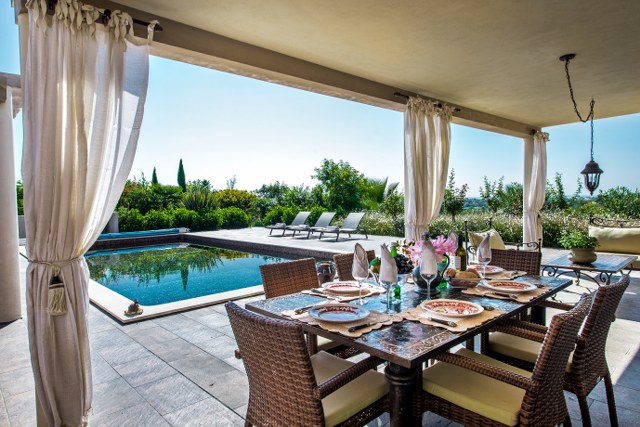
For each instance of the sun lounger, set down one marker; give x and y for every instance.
(298, 220)
(323, 222)
(351, 225)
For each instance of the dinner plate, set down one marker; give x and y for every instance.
(346, 287)
(338, 313)
(451, 307)
(511, 286)
(491, 269)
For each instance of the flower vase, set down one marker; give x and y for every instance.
(422, 284)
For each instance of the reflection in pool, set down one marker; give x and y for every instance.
(175, 272)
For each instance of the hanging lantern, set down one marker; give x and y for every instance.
(591, 170)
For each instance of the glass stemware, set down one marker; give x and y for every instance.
(360, 272)
(428, 267)
(484, 258)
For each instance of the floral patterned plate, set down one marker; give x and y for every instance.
(348, 287)
(511, 286)
(491, 269)
(451, 307)
(338, 313)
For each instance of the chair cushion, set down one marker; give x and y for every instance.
(517, 347)
(353, 397)
(325, 344)
(495, 240)
(476, 392)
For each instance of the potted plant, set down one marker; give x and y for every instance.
(581, 246)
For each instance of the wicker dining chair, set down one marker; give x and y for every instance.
(284, 278)
(289, 277)
(511, 259)
(518, 343)
(474, 389)
(290, 387)
(344, 263)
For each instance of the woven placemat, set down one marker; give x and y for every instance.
(463, 324)
(522, 297)
(378, 318)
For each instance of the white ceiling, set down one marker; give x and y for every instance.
(495, 56)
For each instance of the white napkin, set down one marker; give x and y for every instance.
(428, 259)
(388, 267)
(453, 237)
(360, 266)
(485, 245)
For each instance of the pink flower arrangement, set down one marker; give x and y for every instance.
(441, 244)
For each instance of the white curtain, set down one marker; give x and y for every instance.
(84, 90)
(535, 180)
(427, 142)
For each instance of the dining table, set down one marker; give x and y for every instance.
(406, 345)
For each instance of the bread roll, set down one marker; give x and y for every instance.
(450, 272)
(468, 274)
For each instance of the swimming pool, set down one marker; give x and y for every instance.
(175, 272)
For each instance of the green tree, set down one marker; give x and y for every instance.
(341, 186)
(510, 199)
(20, 196)
(393, 206)
(231, 183)
(453, 202)
(374, 191)
(555, 196)
(490, 193)
(182, 182)
(154, 177)
(620, 202)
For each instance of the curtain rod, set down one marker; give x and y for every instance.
(406, 97)
(105, 15)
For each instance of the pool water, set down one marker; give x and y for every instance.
(175, 272)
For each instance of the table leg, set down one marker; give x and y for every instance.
(538, 315)
(402, 383)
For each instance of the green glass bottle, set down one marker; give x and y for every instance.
(461, 256)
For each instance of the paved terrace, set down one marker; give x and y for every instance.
(179, 370)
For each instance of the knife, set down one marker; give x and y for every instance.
(443, 322)
(510, 296)
(363, 326)
(303, 309)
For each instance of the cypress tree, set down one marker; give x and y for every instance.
(182, 182)
(154, 177)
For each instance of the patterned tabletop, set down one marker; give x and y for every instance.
(606, 263)
(408, 343)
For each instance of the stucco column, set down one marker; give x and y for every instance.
(10, 308)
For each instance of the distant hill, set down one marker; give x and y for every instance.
(474, 203)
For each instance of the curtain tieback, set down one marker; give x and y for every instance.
(57, 295)
(56, 265)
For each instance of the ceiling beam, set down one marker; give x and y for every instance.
(192, 45)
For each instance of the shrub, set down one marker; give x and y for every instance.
(130, 220)
(156, 220)
(233, 217)
(380, 224)
(620, 202)
(198, 200)
(240, 199)
(280, 214)
(207, 221)
(578, 239)
(183, 217)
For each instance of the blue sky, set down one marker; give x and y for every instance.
(223, 125)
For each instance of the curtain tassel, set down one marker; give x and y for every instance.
(57, 297)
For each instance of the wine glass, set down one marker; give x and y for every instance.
(484, 258)
(428, 267)
(360, 272)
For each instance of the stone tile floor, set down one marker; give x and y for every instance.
(180, 370)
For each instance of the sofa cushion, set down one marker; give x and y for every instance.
(495, 240)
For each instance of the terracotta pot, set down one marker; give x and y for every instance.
(583, 255)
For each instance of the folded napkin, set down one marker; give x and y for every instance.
(378, 318)
(463, 324)
(388, 267)
(522, 297)
(367, 291)
(360, 266)
(428, 259)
